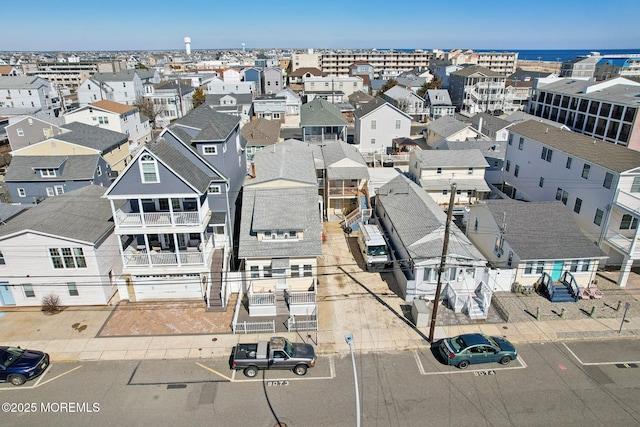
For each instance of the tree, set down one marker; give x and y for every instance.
(388, 85)
(149, 108)
(435, 83)
(423, 89)
(199, 97)
(141, 66)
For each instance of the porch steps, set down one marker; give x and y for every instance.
(475, 309)
(281, 304)
(561, 293)
(215, 291)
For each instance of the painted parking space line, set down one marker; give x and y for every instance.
(38, 384)
(332, 375)
(39, 381)
(520, 360)
(213, 370)
(623, 362)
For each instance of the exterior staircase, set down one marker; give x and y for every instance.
(563, 290)
(215, 290)
(282, 308)
(474, 309)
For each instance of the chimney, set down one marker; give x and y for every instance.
(253, 170)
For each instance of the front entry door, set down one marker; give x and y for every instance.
(557, 270)
(6, 296)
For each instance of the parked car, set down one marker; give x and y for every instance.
(18, 365)
(277, 353)
(467, 349)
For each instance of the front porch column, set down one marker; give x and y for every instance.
(625, 269)
(141, 209)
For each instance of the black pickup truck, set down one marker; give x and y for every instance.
(277, 353)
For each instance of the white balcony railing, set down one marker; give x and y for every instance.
(158, 219)
(135, 258)
(302, 298)
(627, 201)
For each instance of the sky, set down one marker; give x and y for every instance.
(64, 25)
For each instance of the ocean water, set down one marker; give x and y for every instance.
(562, 55)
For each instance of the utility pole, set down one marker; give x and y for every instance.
(443, 261)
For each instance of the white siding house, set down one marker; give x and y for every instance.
(377, 124)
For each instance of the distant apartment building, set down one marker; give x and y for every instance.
(612, 67)
(26, 94)
(606, 110)
(504, 63)
(580, 67)
(305, 60)
(338, 63)
(70, 74)
(476, 89)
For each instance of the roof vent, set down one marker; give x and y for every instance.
(546, 130)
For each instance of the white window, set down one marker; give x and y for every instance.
(99, 171)
(2, 261)
(210, 150)
(397, 124)
(148, 169)
(22, 192)
(59, 189)
(47, 173)
(28, 291)
(104, 120)
(214, 189)
(307, 270)
(50, 192)
(373, 141)
(373, 124)
(20, 131)
(73, 289)
(67, 258)
(224, 147)
(534, 267)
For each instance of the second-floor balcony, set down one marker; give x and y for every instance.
(154, 258)
(161, 213)
(627, 201)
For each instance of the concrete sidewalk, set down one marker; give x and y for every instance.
(350, 300)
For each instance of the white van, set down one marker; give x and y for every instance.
(373, 247)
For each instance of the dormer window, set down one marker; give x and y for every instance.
(47, 173)
(148, 169)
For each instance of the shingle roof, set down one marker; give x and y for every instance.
(92, 136)
(241, 98)
(476, 69)
(320, 112)
(261, 132)
(489, 122)
(451, 159)
(180, 164)
(420, 222)
(114, 107)
(19, 82)
(290, 160)
(76, 168)
(373, 105)
(206, 124)
(285, 209)
(80, 215)
(302, 71)
(596, 151)
(446, 126)
(8, 211)
(542, 230)
(344, 161)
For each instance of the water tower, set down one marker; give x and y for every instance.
(187, 45)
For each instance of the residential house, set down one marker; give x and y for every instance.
(10, 70)
(334, 89)
(270, 107)
(437, 171)
(358, 99)
(281, 234)
(414, 225)
(231, 75)
(604, 110)
(171, 100)
(217, 86)
(322, 121)
(490, 126)
(443, 71)
(612, 67)
(449, 128)
(361, 68)
(377, 124)
(171, 216)
(493, 152)
(532, 239)
(260, 133)
(597, 181)
(253, 74)
(293, 104)
(407, 101)
(20, 95)
(438, 103)
(234, 104)
(117, 117)
(125, 87)
(475, 89)
(345, 180)
(206, 135)
(296, 78)
(67, 248)
(583, 67)
(518, 89)
(26, 130)
(272, 80)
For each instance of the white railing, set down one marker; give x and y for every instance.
(135, 219)
(627, 201)
(145, 259)
(620, 241)
(262, 298)
(301, 297)
(254, 327)
(302, 323)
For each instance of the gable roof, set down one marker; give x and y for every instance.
(9, 211)
(289, 161)
(451, 158)
(320, 112)
(447, 126)
(596, 151)
(541, 230)
(114, 107)
(261, 132)
(76, 168)
(420, 223)
(476, 69)
(92, 136)
(204, 124)
(432, 96)
(81, 215)
(489, 122)
(241, 98)
(304, 70)
(344, 161)
(373, 105)
(119, 76)
(180, 164)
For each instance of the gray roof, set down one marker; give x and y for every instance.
(490, 122)
(43, 115)
(596, 151)
(94, 137)
(626, 92)
(542, 230)
(377, 102)
(320, 112)
(76, 168)
(80, 215)
(493, 149)
(241, 98)
(476, 69)
(420, 222)
(119, 76)
(432, 94)
(205, 124)
(289, 160)
(451, 159)
(21, 82)
(180, 164)
(285, 209)
(335, 152)
(8, 211)
(446, 126)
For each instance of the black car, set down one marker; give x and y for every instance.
(18, 365)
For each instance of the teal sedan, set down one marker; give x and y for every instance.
(467, 349)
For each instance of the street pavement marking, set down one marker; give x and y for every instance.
(297, 378)
(38, 384)
(214, 371)
(597, 363)
(523, 365)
